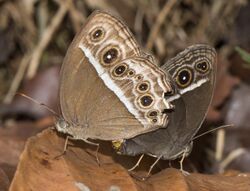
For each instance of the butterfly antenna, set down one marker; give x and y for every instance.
(212, 130)
(41, 104)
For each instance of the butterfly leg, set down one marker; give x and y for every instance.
(153, 165)
(65, 145)
(64, 148)
(97, 149)
(137, 164)
(185, 173)
(150, 169)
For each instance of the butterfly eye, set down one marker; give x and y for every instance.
(184, 77)
(61, 125)
(146, 100)
(143, 87)
(110, 56)
(202, 67)
(97, 34)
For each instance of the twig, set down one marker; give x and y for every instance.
(220, 143)
(17, 79)
(234, 154)
(159, 21)
(138, 24)
(76, 17)
(46, 38)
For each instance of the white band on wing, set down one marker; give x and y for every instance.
(183, 91)
(110, 84)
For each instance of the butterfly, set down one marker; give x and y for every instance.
(109, 88)
(193, 72)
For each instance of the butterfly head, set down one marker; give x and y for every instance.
(62, 125)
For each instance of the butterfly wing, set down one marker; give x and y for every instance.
(193, 72)
(101, 70)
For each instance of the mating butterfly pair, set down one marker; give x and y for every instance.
(111, 90)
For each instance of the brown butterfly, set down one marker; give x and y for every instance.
(109, 88)
(193, 73)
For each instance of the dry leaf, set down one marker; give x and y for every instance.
(12, 141)
(42, 168)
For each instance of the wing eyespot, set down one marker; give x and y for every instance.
(202, 67)
(184, 77)
(153, 113)
(110, 55)
(146, 101)
(119, 70)
(139, 77)
(97, 34)
(131, 73)
(143, 87)
(154, 120)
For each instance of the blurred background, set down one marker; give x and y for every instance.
(35, 35)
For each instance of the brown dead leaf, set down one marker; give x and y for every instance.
(40, 168)
(174, 180)
(12, 140)
(199, 182)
